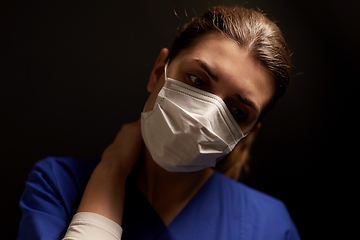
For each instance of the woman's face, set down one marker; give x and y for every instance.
(220, 66)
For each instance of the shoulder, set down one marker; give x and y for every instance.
(262, 216)
(66, 163)
(62, 174)
(63, 177)
(52, 193)
(67, 168)
(250, 197)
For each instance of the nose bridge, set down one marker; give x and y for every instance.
(223, 90)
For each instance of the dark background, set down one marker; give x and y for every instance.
(73, 72)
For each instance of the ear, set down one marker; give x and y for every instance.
(256, 128)
(158, 69)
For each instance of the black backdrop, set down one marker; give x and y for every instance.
(73, 72)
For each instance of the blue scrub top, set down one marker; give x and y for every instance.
(221, 209)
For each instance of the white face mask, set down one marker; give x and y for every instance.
(188, 129)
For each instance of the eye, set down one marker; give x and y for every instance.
(238, 114)
(198, 82)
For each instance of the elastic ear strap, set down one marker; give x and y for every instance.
(248, 131)
(165, 68)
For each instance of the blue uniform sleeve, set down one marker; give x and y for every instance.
(51, 196)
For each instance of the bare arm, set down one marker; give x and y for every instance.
(104, 193)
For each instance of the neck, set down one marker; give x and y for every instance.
(168, 192)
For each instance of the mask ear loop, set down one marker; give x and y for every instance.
(249, 130)
(245, 135)
(165, 68)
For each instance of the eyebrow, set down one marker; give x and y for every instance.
(247, 102)
(242, 99)
(206, 68)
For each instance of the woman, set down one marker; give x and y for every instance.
(207, 93)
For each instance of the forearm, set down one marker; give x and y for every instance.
(105, 191)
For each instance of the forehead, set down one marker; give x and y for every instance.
(233, 66)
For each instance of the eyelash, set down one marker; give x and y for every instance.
(232, 109)
(190, 76)
(242, 118)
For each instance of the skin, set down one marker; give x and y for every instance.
(215, 64)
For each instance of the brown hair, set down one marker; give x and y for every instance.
(255, 33)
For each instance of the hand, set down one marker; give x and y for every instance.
(123, 153)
